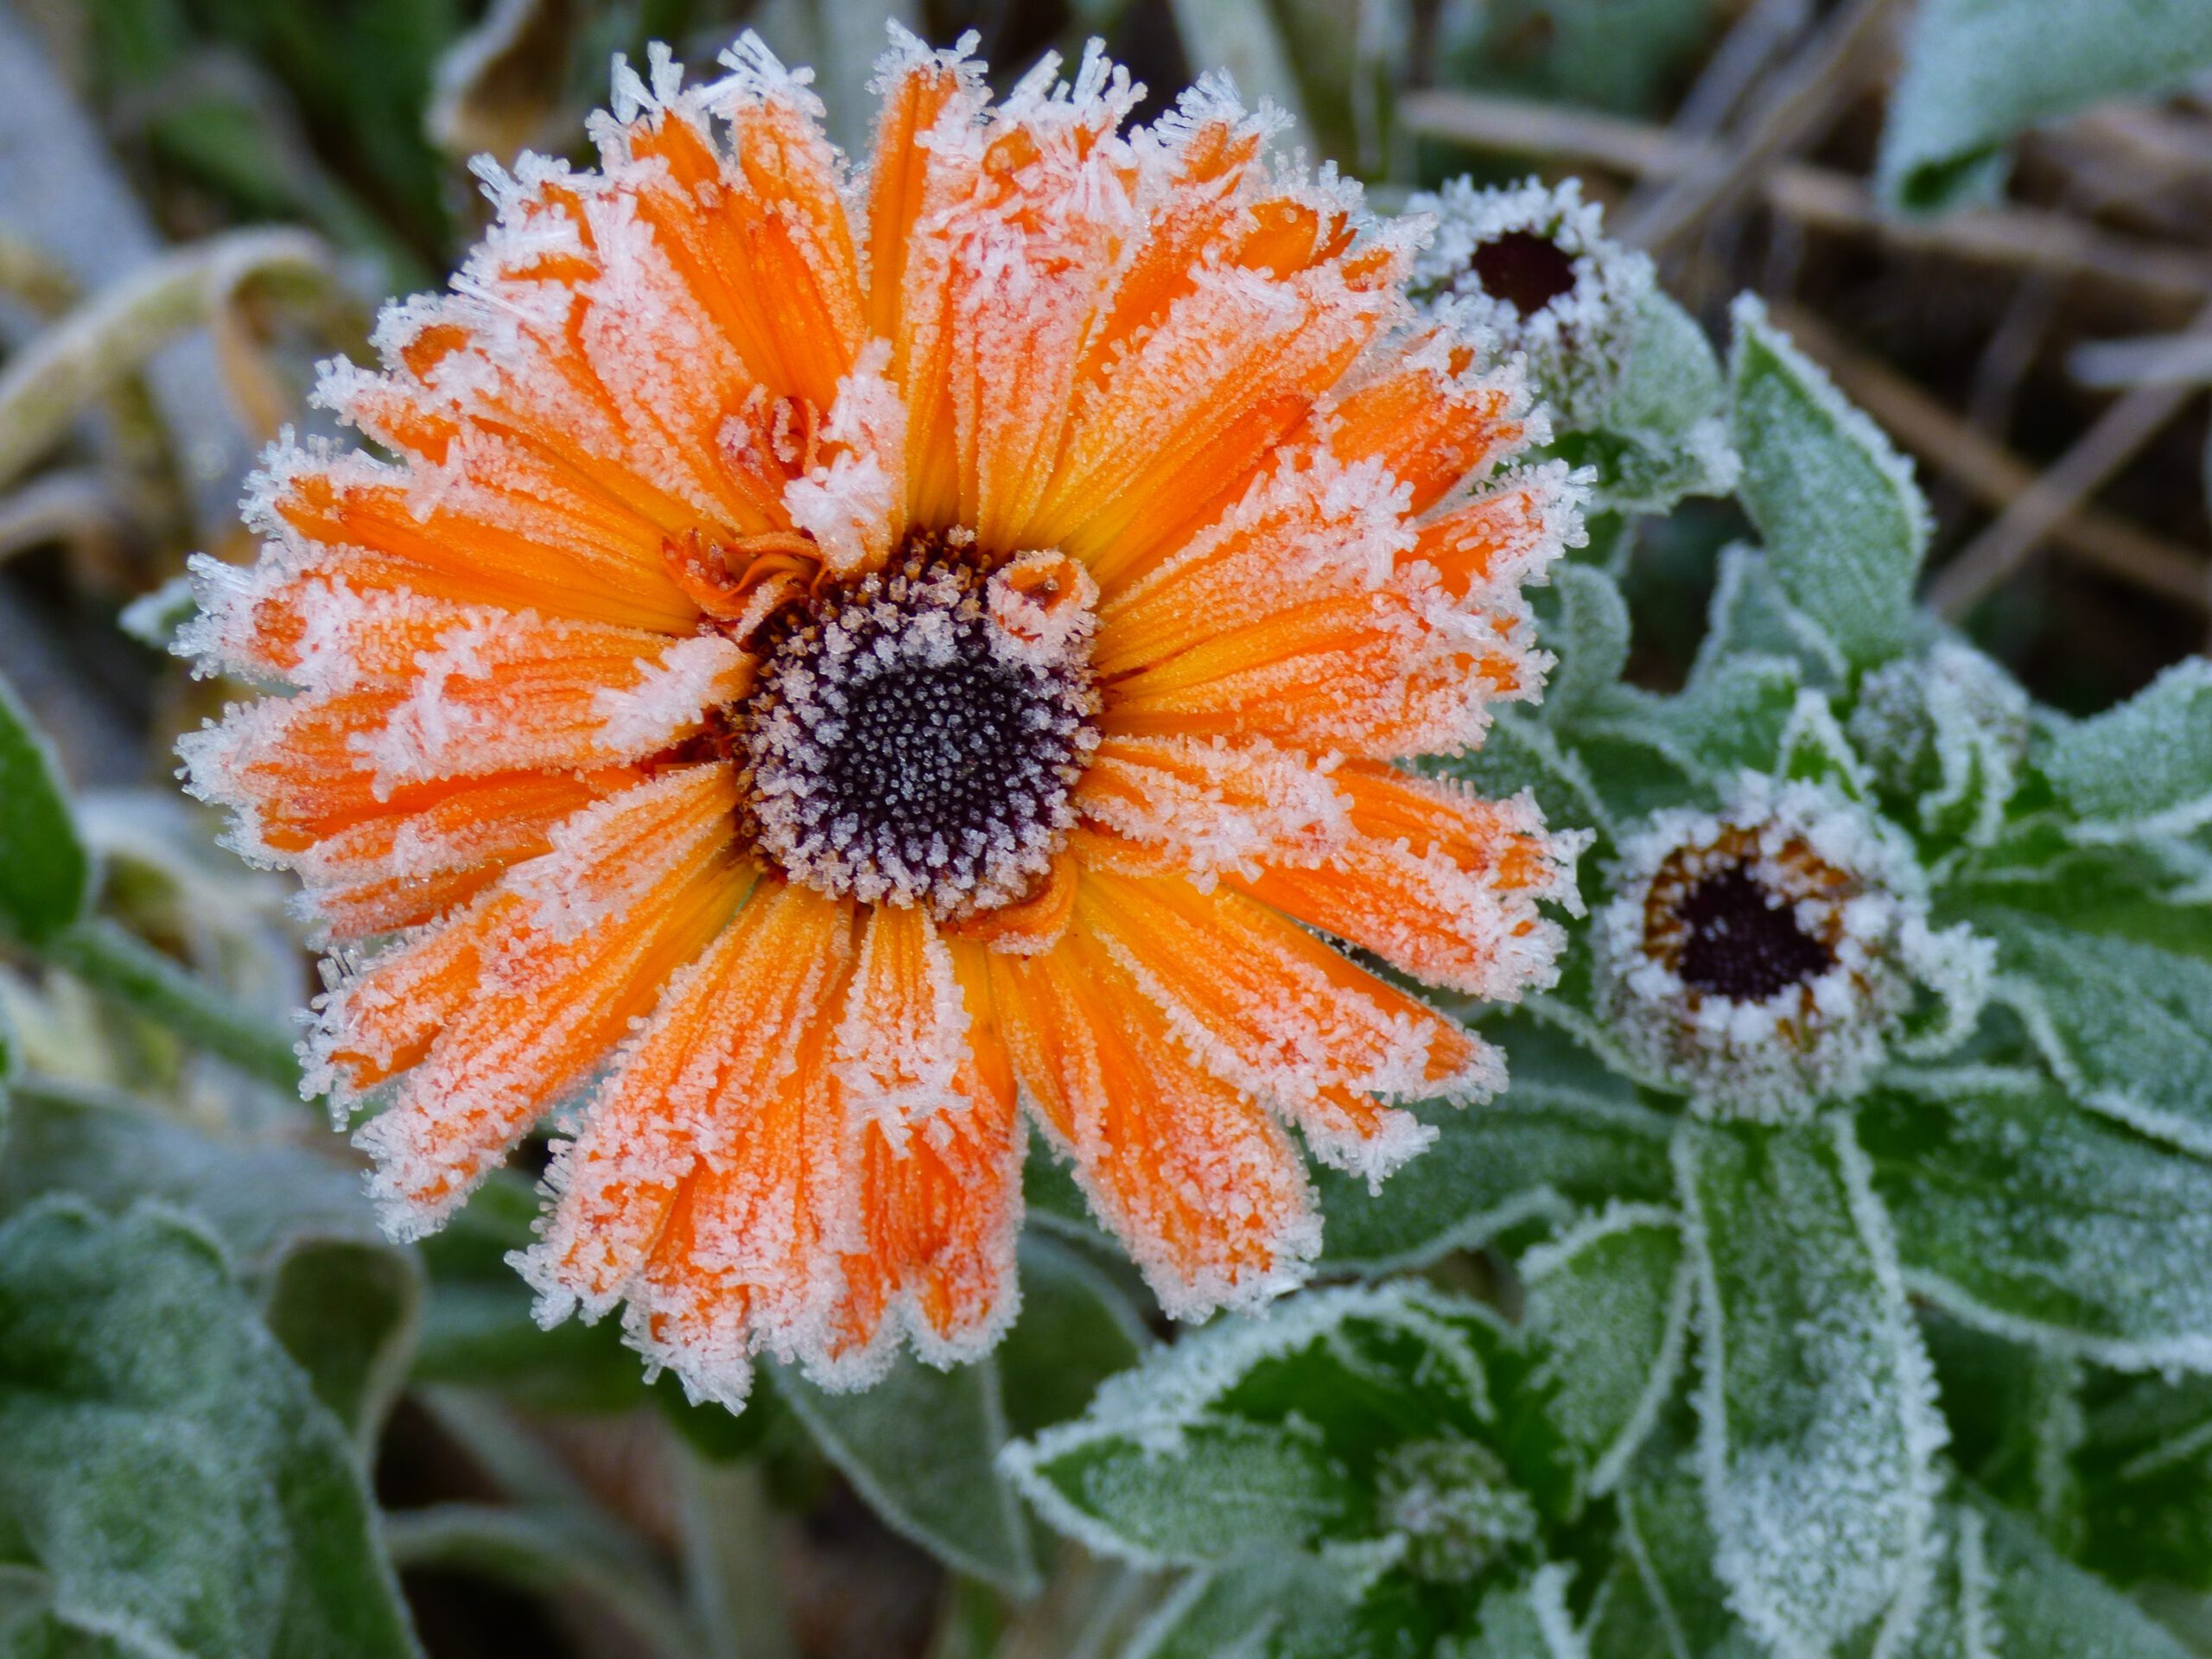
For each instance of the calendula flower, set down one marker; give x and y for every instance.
(1764, 958)
(838, 656)
(1531, 266)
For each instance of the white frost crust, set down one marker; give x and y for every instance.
(671, 694)
(1154, 1405)
(1775, 1058)
(855, 503)
(1250, 804)
(1576, 345)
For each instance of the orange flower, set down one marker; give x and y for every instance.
(838, 661)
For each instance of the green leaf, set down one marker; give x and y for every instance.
(2042, 1606)
(1815, 750)
(1817, 1415)
(1978, 72)
(2145, 1468)
(1662, 434)
(1667, 1538)
(2146, 767)
(1528, 1621)
(1076, 1329)
(1240, 1608)
(342, 1300)
(1566, 1131)
(1608, 1306)
(1268, 1430)
(478, 1328)
(1750, 616)
(166, 1463)
(2015, 1412)
(1843, 522)
(46, 875)
(1587, 629)
(922, 1448)
(1649, 751)
(2122, 1021)
(2019, 1211)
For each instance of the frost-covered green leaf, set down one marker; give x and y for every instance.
(1608, 1305)
(1075, 1330)
(1520, 752)
(1566, 1131)
(1528, 1620)
(2126, 1021)
(1587, 629)
(45, 873)
(1273, 1430)
(940, 1485)
(2016, 1208)
(2016, 1415)
(943, 1487)
(1817, 1419)
(342, 1300)
(1844, 524)
(1815, 750)
(1722, 722)
(1945, 733)
(2146, 1467)
(2042, 1606)
(1663, 435)
(2146, 767)
(1750, 616)
(165, 1463)
(1246, 1607)
(1668, 1542)
(1977, 71)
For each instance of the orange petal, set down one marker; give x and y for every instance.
(940, 1205)
(558, 995)
(1438, 884)
(720, 1045)
(1431, 422)
(1267, 1006)
(1192, 1175)
(1211, 805)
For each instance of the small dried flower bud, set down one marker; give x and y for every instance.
(1762, 959)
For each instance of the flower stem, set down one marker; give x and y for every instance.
(125, 967)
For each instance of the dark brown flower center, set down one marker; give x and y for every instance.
(1528, 271)
(1743, 942)
(905, 745)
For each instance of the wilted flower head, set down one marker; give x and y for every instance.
(835, 651)
(1762, 958)
(1530, 267)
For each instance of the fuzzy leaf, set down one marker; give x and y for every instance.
(1843, 522)
(2042, 1606)
(45, 873)
(1663, 435)
(2146, 1476)
(1944, 734)
(167, 1465)
(2019, 1209)
(342, 1300)
(1608, 1304)
(1977, 71)
(1750, 616)
(1241, 1607)
(1075, 1330)
(2122, 1020)
(1817, 1421)
(1527, 1621)
(1588, 632)
(1268, 1430)
(1566, 1131)
(1668, 1540)
(2146, 767)
(942, 1489)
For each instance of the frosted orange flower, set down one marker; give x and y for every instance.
(838, 660)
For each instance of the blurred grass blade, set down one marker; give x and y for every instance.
(116, 331)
